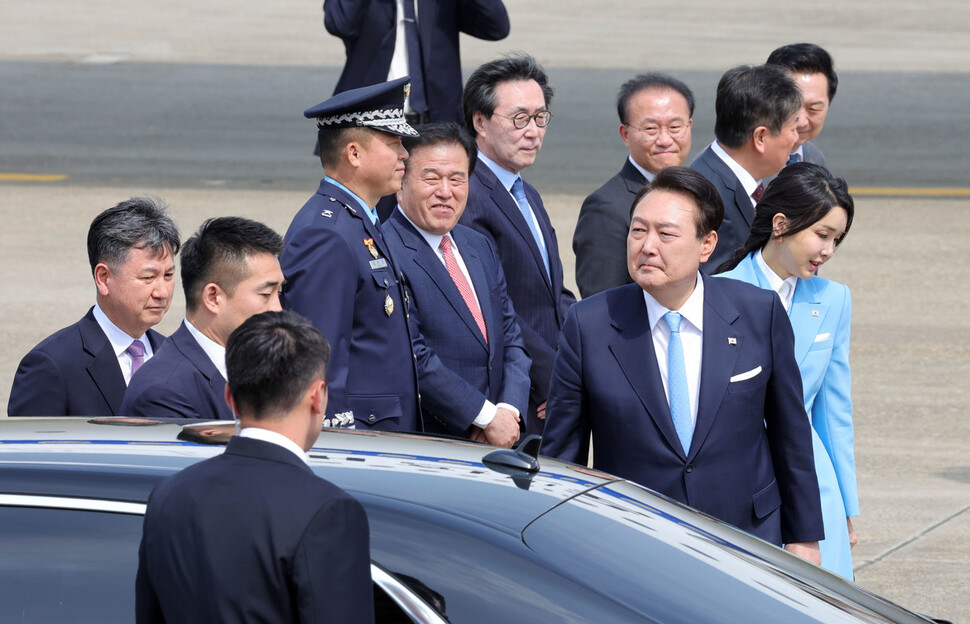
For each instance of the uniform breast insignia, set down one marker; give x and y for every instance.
(327, 213)
(388, 305)
(369, 243)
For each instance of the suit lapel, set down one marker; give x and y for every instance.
(806, 315)
(104, 369)
(634, 352)
(193, 352)
(741, 198)
(718, 356)
(632, 177)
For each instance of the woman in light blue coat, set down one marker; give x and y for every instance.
(804, 215)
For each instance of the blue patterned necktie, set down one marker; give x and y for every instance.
(518, 192)
(677, 383)
(793, 158)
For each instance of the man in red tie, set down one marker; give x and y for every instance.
(757, 118)
(473, 369)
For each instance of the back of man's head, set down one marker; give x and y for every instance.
(753, 96)
(139, 222)
(807, 58)
(216, 254)
(479, 93)
(441, 133)
(271, 360)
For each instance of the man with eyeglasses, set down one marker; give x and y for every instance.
(506, 105)
(756, 126)
(655, 113)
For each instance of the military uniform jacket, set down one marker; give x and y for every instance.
(340, 276)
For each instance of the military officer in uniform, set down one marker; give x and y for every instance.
(337, 268)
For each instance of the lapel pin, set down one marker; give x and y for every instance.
(732, 340)
(814, 312)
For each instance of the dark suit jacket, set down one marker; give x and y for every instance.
(357, 301)
(367, 28)
(540, 305)
(750, 462)
(253, 535)
(73, 372)
(457, 369)
(600, 237)
(738, 209)
(179, 382)
(810, 154)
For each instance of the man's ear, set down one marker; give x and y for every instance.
(101, 275)
(708, 244)
(319, 395)
(759, 138)
(231, 402)
(478, 121)
(210, 297)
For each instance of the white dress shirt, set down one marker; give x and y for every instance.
(646, 174)
(487, 413)
(400, 63)
(278, 439)
(784, 287)
(691, 337)
(120, 341)
(748, 183)
(215, 351)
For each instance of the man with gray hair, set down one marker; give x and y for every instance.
(83, 369)
(757, 116)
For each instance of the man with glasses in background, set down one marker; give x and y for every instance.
(506, 105)
(655, 125)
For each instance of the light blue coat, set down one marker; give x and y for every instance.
(820, 314)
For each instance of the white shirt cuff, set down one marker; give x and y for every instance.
(487, 413)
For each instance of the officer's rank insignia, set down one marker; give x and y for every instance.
(369, 242)
(388, 305)
(327, 213)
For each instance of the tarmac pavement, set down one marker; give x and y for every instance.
(904, 258)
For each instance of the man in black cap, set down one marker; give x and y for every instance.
(338, 272)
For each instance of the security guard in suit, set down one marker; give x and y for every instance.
(338, 271)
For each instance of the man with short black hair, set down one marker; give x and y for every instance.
(82, 370)
(506, 104)
(338, 271)
(812, 70)
(230, 271)
(472, 364)
(757, 117)
(655, 113)
(688, 383)
(253, 534)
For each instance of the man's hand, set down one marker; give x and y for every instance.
(806, 550)
(541, 411)
(853, 538)
(503, 430)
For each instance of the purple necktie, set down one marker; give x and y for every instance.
(137, 352)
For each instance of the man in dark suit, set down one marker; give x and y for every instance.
(386, 40)
(812, 70)
(473, 369)
(689, 383)
(757, 118)
(338, 271)
(506, 105)
(230, 272)
(253, 535)
(655, 125)
(83, 369)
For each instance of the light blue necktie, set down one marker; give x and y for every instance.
(677, 383)
(793, 158)
(518, 192)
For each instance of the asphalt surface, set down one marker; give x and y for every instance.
(201, 105)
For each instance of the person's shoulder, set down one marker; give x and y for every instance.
(829, 289)
(63, 340)
(741, 292)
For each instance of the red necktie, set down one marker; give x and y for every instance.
(463, 287)
(758, 192)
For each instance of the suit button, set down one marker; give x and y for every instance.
(689, 467)
(385, 281)
(371, 418)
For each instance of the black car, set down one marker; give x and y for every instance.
(460, 532)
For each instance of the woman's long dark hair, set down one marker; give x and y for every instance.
(804, 193)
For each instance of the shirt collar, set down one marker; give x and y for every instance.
(116, 336)
(506, 177)
(692, 310)
(746, 179)
(215, 351)
(278, 439)
(370, 212)
(774, 281)
(432, 239)
(646, 174)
